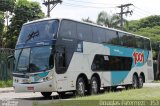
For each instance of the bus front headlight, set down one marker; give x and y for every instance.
(46, 78)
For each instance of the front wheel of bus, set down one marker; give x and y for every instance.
(46, 94)
(80, 87)
(94, 86)
(61, 94)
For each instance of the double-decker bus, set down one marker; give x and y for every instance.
(64, 55)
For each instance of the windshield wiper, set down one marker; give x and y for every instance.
(32, 35)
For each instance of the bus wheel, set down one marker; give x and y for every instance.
(140, 82)
(46, 94)
(127, 87)
(94, 86)
(80, 87)
(134, 81)
(61, 94)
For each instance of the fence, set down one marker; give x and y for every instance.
(6, 67)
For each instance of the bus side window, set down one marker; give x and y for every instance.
(60, 61)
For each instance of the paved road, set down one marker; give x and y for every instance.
(26, 99)
(19, 98)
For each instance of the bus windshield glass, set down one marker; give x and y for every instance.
(38, 31)
(30, 60)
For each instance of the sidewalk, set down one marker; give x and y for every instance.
(6, 90)
(151, 85)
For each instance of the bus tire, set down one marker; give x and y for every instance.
(127, 87)
(134, 82)
(140, 82)
(94, 86)
(113, 88)
(80, 87)
(46, 94)
(61, 94)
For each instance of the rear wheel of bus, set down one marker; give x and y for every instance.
(94, 86)
(140, 82)
(46, 94)
(135, 81)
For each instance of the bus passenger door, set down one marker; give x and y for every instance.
(60, 63)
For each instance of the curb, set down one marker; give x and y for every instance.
(6, 91)
(152, 85)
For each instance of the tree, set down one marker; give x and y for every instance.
(24, 11)
(87, 20)
(1, 26)
(7, 5)
(149, 22)
(1, 22)
(132, 25)
(108, 20)
(148, 27)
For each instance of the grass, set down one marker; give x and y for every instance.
(156, 81)
(7, 83)
(133, 94)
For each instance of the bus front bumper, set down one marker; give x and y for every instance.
(36, 87)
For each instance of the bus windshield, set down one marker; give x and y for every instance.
(30, 60)
(38, 31)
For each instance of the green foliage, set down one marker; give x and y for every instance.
(1, 26)
(108, 20)
(153, 33)
(112, 21)
(132, 25)
(142, 94)
(24, 11)
(7, 83)
(87, 20)
(149, 22)
(7, 5)
(110, 98)
(156, 81)
(1, 22)
(148, 27)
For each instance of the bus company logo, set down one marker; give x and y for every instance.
(138, 57)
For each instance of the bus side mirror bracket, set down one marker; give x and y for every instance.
(10, 57)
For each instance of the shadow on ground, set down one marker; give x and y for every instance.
(67, 96)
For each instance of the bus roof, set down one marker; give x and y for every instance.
(92, 24)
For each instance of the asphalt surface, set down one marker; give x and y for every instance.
(9, 98)
(27, 99)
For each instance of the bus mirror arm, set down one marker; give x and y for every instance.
(10, 57)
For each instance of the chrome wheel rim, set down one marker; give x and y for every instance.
(81, 89)
(94, 87)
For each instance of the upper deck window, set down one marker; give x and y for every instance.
(68, 29)
(112, 37)
(38, 31)
(84, 32)
(98, 35)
